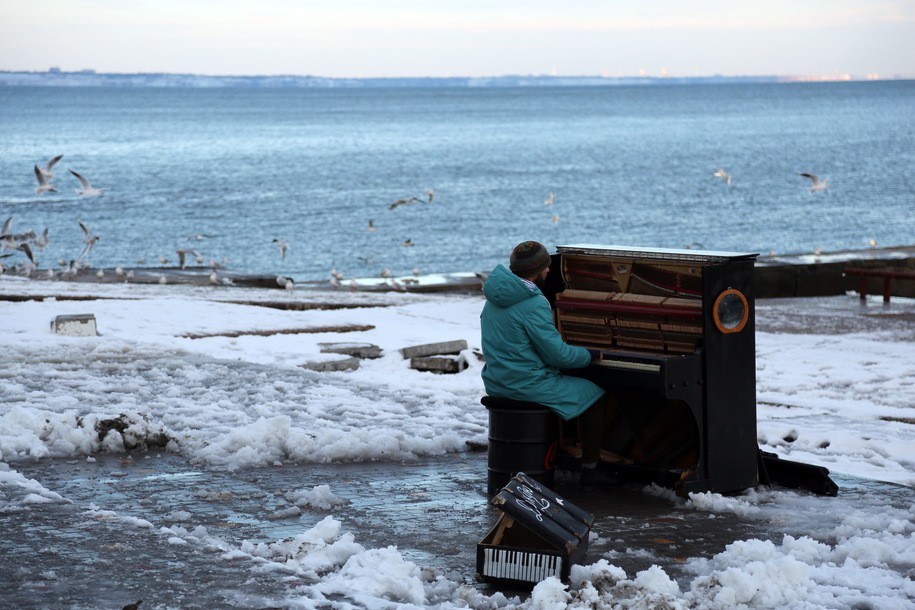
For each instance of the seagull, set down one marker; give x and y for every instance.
(7, 226)
(693, 245)
(42, 242)
(283, 246)
(549, 199)
(720, 173)
(555, 219)
(404, 201)
(24, 247)
(407, 243)
(815, 183)
(183, 252)
(371, 225)
(46, 170)
(90, 241)
(13, 239)
(430, 195)
(197, 237)
(87, 190)
(43, 185)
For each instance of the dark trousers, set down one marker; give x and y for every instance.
(592, 426)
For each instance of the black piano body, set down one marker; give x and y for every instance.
(676, 331)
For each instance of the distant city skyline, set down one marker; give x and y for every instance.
(412, 38)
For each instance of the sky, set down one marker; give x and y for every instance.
(836, 399)
(403, 38)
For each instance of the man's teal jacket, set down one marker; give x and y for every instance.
(524, 352)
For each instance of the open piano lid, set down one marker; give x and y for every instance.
(667, 254)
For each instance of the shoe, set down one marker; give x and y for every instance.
(595, 479)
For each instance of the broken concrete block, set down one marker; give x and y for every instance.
(439, 364)
(345, 364)
(357, 350)
(75, 325)
(434, 349)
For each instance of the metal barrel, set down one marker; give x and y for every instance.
(521, 440)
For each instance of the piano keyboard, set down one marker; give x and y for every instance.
(629, 365)
(520, 565)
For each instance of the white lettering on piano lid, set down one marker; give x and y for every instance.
(530, 503)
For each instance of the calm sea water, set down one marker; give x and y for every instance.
(626, 165)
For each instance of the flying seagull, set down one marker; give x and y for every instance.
(720, 173)
(405, 201)
(87, 190)
(46, 170)
(41, 242)
(24, 247)
(283, 246)
(549, 199)
(183, 252)
(815, 183)
(43, 185)
(90, 241)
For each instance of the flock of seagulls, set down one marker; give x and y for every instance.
(28, 242)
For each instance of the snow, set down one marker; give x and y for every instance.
(844, 401)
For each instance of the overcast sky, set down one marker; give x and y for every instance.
(358, 38)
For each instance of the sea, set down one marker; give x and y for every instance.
(226, 171)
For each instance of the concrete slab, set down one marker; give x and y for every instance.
(439, 364)
(434, 349)
(75, 325)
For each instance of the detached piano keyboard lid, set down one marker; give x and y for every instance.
(540, 535)
(698, 256)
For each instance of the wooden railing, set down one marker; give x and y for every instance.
(887, 276)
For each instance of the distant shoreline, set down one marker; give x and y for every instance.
(90, 78)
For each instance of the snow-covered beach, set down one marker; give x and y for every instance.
(835, 391)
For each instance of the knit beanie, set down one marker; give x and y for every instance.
(529, 258)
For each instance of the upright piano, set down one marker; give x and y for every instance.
(676, 333)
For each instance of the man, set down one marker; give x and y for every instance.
(524, 354)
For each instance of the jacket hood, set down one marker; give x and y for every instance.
(504, 289)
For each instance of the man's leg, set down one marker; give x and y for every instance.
(593, 424)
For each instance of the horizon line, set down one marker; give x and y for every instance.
(836, 76)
